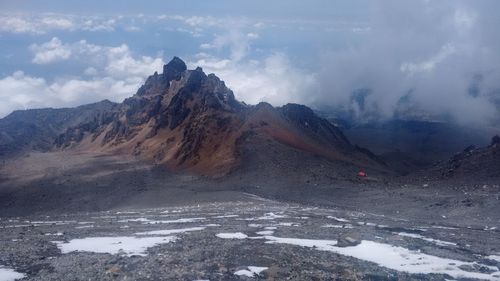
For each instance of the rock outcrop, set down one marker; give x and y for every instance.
(188, 120)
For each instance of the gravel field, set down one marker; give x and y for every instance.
(252, 239)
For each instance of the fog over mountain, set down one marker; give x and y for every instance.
(432, 60)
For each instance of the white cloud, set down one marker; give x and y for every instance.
(116, 62)
(121, 64)
(112, 73)
(58, 23)
(49, 52)
(431, 63)
(44, 23)
(20, 91)
(272, 80)
(426, 54)
(98, 25)
(235, 40)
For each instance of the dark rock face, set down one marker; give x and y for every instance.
(473, 162)
(36, 129)
(154, 85)
(185, 118)
(304, 118)
(495, 140)
(174, 69)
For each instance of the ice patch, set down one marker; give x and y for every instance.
(113, 245)
(251, 271)
(8, 274)
(435, 241)
(392, 257)
(232, 235)
(170, 231)
(270, 228)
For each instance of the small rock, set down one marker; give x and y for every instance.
(347, 241)
(114, 271)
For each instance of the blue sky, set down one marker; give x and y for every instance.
(439, 57)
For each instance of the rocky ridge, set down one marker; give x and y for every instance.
(191, 121)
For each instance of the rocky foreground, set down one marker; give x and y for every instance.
(250, 239)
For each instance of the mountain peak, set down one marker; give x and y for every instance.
(174, 69)
(186, 119)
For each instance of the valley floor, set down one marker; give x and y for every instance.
(250, 239)
(97, 217)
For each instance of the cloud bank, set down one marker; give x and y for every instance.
(113, 72)
(372, 59)
(440, 57)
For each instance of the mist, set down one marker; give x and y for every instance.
(430, 59)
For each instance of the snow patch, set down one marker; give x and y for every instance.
(251, 271)
(392, 257)
(265, 232)
(84, 226)
(337, 226)
(232, 235)
(254, 225)
(135, 220)
(443, 227)
(113, 245)
(435, 241)
(494, 257)
(270, 216)
(170, 231)
(226, 216)
(288, 224)
(8, 274)
(338, 219)
(148, 221)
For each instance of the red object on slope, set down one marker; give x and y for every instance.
(362, 174)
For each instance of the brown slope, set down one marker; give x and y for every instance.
(191, 121)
